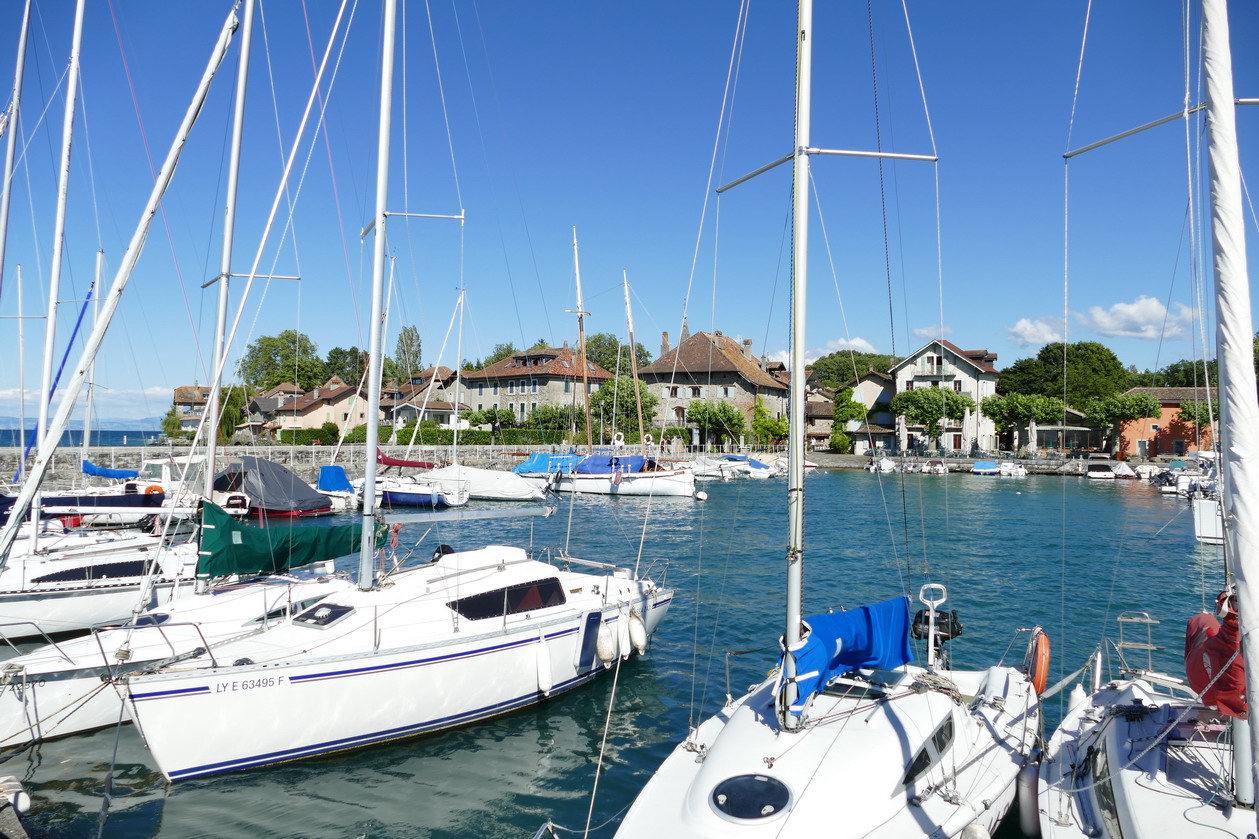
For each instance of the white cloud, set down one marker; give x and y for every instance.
(928, 333)
(1028, 332)
(810, 356)
(1145, 317)
(107, 403)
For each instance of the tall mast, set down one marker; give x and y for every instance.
(454, 449)
(225, 257)
(367, 552)
(633, 354)
(1239, 411)
(581, 345)
(91, 370)
(129, 258)
(11, 143)
(795, 396)
(59, 229)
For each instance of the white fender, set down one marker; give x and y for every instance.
(638, 633)
(1029, 806)
(606, 647)
(1076, 698)
(545, 680)
(623, 633)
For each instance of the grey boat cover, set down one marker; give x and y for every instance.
(270, 486)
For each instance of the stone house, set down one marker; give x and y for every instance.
(524, 381)
(190, 402)
(873, 391)
(334, 401)
(941, 363)
(712, 367)
(1166, 434)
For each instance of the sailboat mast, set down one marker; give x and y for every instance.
(795, 393)
(91, 371)
(454, 435)
(581, 347)
(367, 552)
(633, 354)
(1239, 411)
(11, 144)
(225, 256)
(59, 228)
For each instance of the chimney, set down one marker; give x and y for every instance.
(315, 395)
(747, 348)
(565, 344)
(664, 344)
(686, 331)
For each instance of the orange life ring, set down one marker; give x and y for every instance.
(153, 489)
(1036, 664)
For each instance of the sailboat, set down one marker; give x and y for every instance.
(1152, 754)
(467, 635)
(846, 736)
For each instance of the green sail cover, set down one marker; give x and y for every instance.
(229, 547)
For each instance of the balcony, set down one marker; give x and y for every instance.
(932, 368)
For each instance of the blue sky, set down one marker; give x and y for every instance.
(605, 117)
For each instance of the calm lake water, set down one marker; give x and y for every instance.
(1066, 553)
(74, 439)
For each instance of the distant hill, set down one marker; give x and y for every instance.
(104, 424)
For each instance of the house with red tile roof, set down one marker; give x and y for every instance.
(190, 402)
(530, 378)
(334, 401)
(710, 366)
(1167, 434)
(941, 363)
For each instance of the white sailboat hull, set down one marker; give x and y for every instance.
(847, 763)
(400, 660)
(679, 483)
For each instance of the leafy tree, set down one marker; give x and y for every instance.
(232, 401)
(539, 344)
(929, 407)
(554, 417)
(846, 408)
(612, 406)
(497, 354)
(288, 357)
(330, 433)
(348, 364)
(1197, 413)
(767, 429)
(720, 419)
(602, 349)
(495, 418)
(1015, 411)
(1089, 369)
(1116, 410)
(408, 352)
(1027, 375)
(840, 367)
(171, 425)
(1187, 373)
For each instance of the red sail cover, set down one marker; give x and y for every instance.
(1208, 647)
(385, 460)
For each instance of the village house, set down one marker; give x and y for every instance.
(429, 396)
(873, 391)
(261, 410)
(334, 401)
(941, 363)
(1166, 434)
(190, 402)
(712, 367)
(525, 380)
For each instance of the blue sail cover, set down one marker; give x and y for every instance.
(605, 464)
(872, 636)
(101, 472)
(333, 479)
(547, 464)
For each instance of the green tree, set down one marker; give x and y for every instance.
(348, 364)
(553, 418)
(1187, 373)
(539, 344)
(767, 429)
(497, 354)
(1016, 411)
(232, 401)
(1116, 410)
(716, 419)
(330, 433)
(171, 425)
(1197, 413)
(408, 352)
(495, 418)
(841, 367)
(612, 406)
(288, 357)
(1089, 370)
(846, 408)
(929, 407)
(1027, 375)
(840, 442)
(602, 349)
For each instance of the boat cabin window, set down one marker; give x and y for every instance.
(931, 752)
(750, 797)
(322, 615)
(104, 571)
(283, 611)
(152, 620)
(844, 689)
(1103, 791)
(512, 600)
(150, 472)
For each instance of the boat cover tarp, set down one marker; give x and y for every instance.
(606, 464)
(270, 486)
(229, 547)
(95, 471)
(547, 464)
(1123, 470)
(385, 460)
(874, 636)
(750, 461)
(333, 479)
(1209, 647)
(488, 484)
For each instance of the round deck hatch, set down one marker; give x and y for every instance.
(750, 797)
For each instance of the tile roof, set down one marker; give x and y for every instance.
(1176, 395)
(546, 363)
(710, 352)
(333, 390)
(283, 387)
(192, 394)
(982, 359)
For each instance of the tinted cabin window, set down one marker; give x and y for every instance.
(512, 600)
(108, 571)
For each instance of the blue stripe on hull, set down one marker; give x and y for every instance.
(345, 743)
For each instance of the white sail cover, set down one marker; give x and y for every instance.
(488, 484)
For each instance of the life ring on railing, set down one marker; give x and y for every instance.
(647, 441)
(1036, 664)
(618, 439)
(153, 489)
